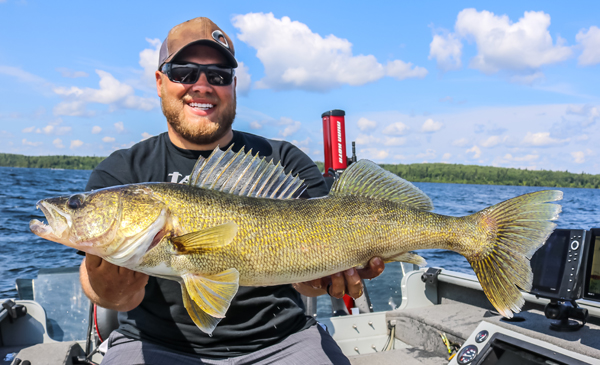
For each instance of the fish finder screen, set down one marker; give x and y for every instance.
(592, 274)
(548, 263)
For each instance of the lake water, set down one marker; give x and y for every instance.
(22, 253)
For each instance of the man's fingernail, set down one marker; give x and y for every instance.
(351, 271)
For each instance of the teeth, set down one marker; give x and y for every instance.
(201, 106)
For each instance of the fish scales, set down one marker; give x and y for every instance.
(325, 235)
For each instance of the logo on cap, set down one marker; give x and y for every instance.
(220, 38)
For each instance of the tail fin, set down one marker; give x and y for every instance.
(515, 229)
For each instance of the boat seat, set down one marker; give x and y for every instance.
(105, 321)
(421, 327)
(58, 353)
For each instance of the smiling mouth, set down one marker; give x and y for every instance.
(201, 106)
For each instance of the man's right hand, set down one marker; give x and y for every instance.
(111, 286)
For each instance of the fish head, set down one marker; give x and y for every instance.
(111, 222)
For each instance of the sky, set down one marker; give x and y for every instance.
(508, 84)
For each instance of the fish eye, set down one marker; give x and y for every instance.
(75, 201)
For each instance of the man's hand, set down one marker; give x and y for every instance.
(347, 282)
(112, 286)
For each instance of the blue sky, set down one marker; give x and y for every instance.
(513, 84)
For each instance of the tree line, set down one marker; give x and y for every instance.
(424, 172)
(50, 162)
(488, 175)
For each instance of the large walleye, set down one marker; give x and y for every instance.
(237, 223)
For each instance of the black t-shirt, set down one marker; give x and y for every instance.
(258, 316)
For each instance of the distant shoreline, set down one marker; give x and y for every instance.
(418, 172)
(50, 162)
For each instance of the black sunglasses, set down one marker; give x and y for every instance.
(189, 73)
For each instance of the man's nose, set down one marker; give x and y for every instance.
(202, 84)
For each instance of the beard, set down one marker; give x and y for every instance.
(204, 132)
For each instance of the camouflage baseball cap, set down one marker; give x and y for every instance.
(196, 31)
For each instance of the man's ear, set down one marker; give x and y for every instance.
(158, 76)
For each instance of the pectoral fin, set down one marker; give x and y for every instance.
(213, 237)
(205, 322)
(212, 294)
(411, 258)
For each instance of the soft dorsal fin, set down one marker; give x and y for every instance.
(366, 178)
(244, 174)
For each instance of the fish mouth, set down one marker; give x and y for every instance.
(59, 223)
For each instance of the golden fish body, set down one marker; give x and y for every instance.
(290, 241)
(236, 224)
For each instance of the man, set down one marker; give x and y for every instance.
(196, 84)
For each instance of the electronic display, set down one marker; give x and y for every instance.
(558, 265)
(548, 263)
(506, 350)
(592, 273)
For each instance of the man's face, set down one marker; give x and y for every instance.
(200, 113)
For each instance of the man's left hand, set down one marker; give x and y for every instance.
(346, 282)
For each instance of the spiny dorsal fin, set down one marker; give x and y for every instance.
(366, 178)
(244, 174)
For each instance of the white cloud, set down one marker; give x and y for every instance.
(463, 142)
(76, 144)
(429, 154)
(65, 72)
(541, 139)
(396, 129)
(29, 143)
(294, 57)
(476, 151)
(504, 45)
(363, 139)
(73, 108)
(446, 156)
(374, 153)
(404, 70)
(119, 127)
(244, 79)
(96, 129)
(146, 135)
(394, 141)
(527, 79)
(111, 92)
(255, 125)
(591, 112)
(493, 141)
(430, 126)
(578, 156)
(108, 139)
(526, 158)
(446, 49)
(62, 130)
(590, 41)
(58, 143)
(21, 75)
(149, 62)
(28, 129)
(291, 127)
(366, 124)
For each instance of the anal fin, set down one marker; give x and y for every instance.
(411, 258)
